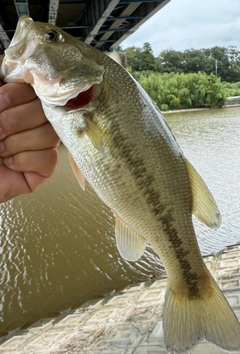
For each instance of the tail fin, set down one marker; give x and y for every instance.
(186, 322)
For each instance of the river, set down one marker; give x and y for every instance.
(57, 245)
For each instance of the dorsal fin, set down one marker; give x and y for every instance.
(78, 174)
(130, 245)
(204, 206)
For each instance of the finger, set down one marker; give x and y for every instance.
(34, 180)
(12, 183)
(42, 137)
(20, 118)
(44, 162)
(12, 95)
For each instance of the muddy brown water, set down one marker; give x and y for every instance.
(57, 246)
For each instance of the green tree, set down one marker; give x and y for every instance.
(172, 61)
(196, 60)
(142, 59)
(147, 59)
(234, 60)
(133, 58)
(223, 62)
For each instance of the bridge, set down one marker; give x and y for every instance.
(104, 24)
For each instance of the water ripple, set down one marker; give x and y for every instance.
(211, 143)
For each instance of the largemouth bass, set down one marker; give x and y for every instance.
(119, 141)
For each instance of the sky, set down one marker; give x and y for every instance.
(185, 24)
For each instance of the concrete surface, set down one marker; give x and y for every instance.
(127, 322)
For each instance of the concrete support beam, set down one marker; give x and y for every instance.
(4, 37)
(53, 11)
(116, 26)
(134, 28)
(22, 7)
(102, 18)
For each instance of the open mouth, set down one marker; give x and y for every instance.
(81, 100)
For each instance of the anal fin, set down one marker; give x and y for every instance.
(130, 244)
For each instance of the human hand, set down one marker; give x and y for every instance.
(28, 143)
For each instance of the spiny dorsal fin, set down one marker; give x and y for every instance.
(78, 174)
(94, 135)
(130, 245)
(204, 206)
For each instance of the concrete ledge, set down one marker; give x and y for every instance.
(232, 101)
(126, 322)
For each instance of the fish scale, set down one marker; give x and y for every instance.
(119, 141)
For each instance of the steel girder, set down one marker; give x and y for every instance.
(102, 23)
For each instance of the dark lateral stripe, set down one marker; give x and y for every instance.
(126, 151)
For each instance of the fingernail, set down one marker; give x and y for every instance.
(2, 148)
(4, 102)
(8, 160)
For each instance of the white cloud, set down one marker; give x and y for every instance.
(184, 24)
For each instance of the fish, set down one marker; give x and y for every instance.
(120, 143)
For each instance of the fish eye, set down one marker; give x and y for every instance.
(51, 36)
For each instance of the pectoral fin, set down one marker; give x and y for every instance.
(78, 174)
(94, 135)
(130, 245)
(204, 206)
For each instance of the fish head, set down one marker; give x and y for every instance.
(57, 65)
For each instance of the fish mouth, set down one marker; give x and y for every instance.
(20, 41)
(76, 99)
(31, 59)
(18, 52)
(82, 99)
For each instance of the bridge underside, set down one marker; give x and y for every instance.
(102, 23)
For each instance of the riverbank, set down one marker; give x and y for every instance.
(232, 102)
(126, 322)
(185, 110)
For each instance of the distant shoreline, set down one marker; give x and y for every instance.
(184, 110)
(198, 109)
